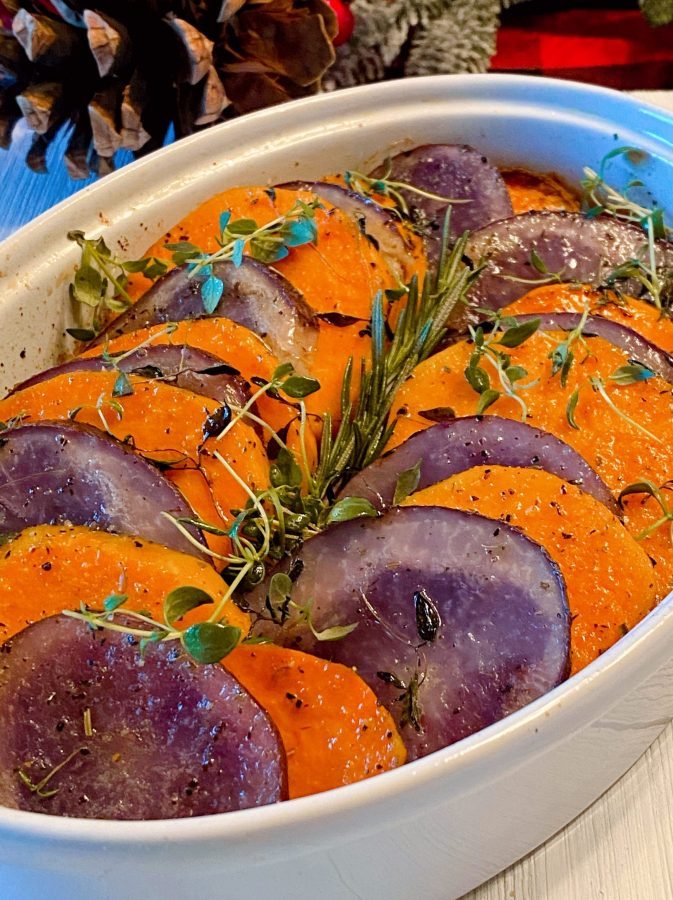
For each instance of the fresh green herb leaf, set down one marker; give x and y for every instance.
(334, 633)
(571, 407)
(285, 470)
(631, 374)
(280, 589)
(209, 642)
(211, 293)
(476, 376)
(82, 334)
(407, 482)
(350, 508)
(487, 399)
(182, 600)
(518, 334)
(300, 386)
(114, 601)
(643, 487)
(122, 386)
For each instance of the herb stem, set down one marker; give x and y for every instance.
(597, 384)
(219, 608)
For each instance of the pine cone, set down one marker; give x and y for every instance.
(120, 75)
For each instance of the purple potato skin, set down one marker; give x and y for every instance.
(170, 739)
(455, 171)
(503, 636)
(571, 245)
(54, 472)
(179, 364)
(378, 222)
(255, 295)
(450, 447)
(638, 347)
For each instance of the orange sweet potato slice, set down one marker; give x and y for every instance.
(615, 444)
(50, 568)
(332, 726)
(538, 190)
(166, 424)
(638, 315)
(608, 575)
(341, 273)
(233, 343)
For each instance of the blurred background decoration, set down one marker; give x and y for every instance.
(131, 74)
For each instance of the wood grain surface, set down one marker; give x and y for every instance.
(619, 849)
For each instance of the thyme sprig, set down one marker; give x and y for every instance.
(411, 712)
(384, 186)
(100, 280)
(205, 642)
(546, 275)
(599, 197)
(562, 355)
(506, 332)
(266, 243)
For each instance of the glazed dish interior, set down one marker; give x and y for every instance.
(342, 472)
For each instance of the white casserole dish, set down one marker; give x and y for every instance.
(440, 826)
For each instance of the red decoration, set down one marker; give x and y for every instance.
(345, 19)
(5, 17)
(614, 47)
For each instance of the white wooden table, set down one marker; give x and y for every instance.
(619, 849)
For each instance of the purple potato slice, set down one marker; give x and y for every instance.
(168, 739)
(639, 348)
(455, 171)
(570, 245)
(450, 447)
(178, 364)
(460, 620)
(54, 472)
(377, 222)
(255, 295)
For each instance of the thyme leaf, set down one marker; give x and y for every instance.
(571, 407)
(406, 484)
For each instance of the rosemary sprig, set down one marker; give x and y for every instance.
(40, 787)
(366, 425)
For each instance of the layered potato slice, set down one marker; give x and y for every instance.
(168, 425)
(609, 577)
(623, 431)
